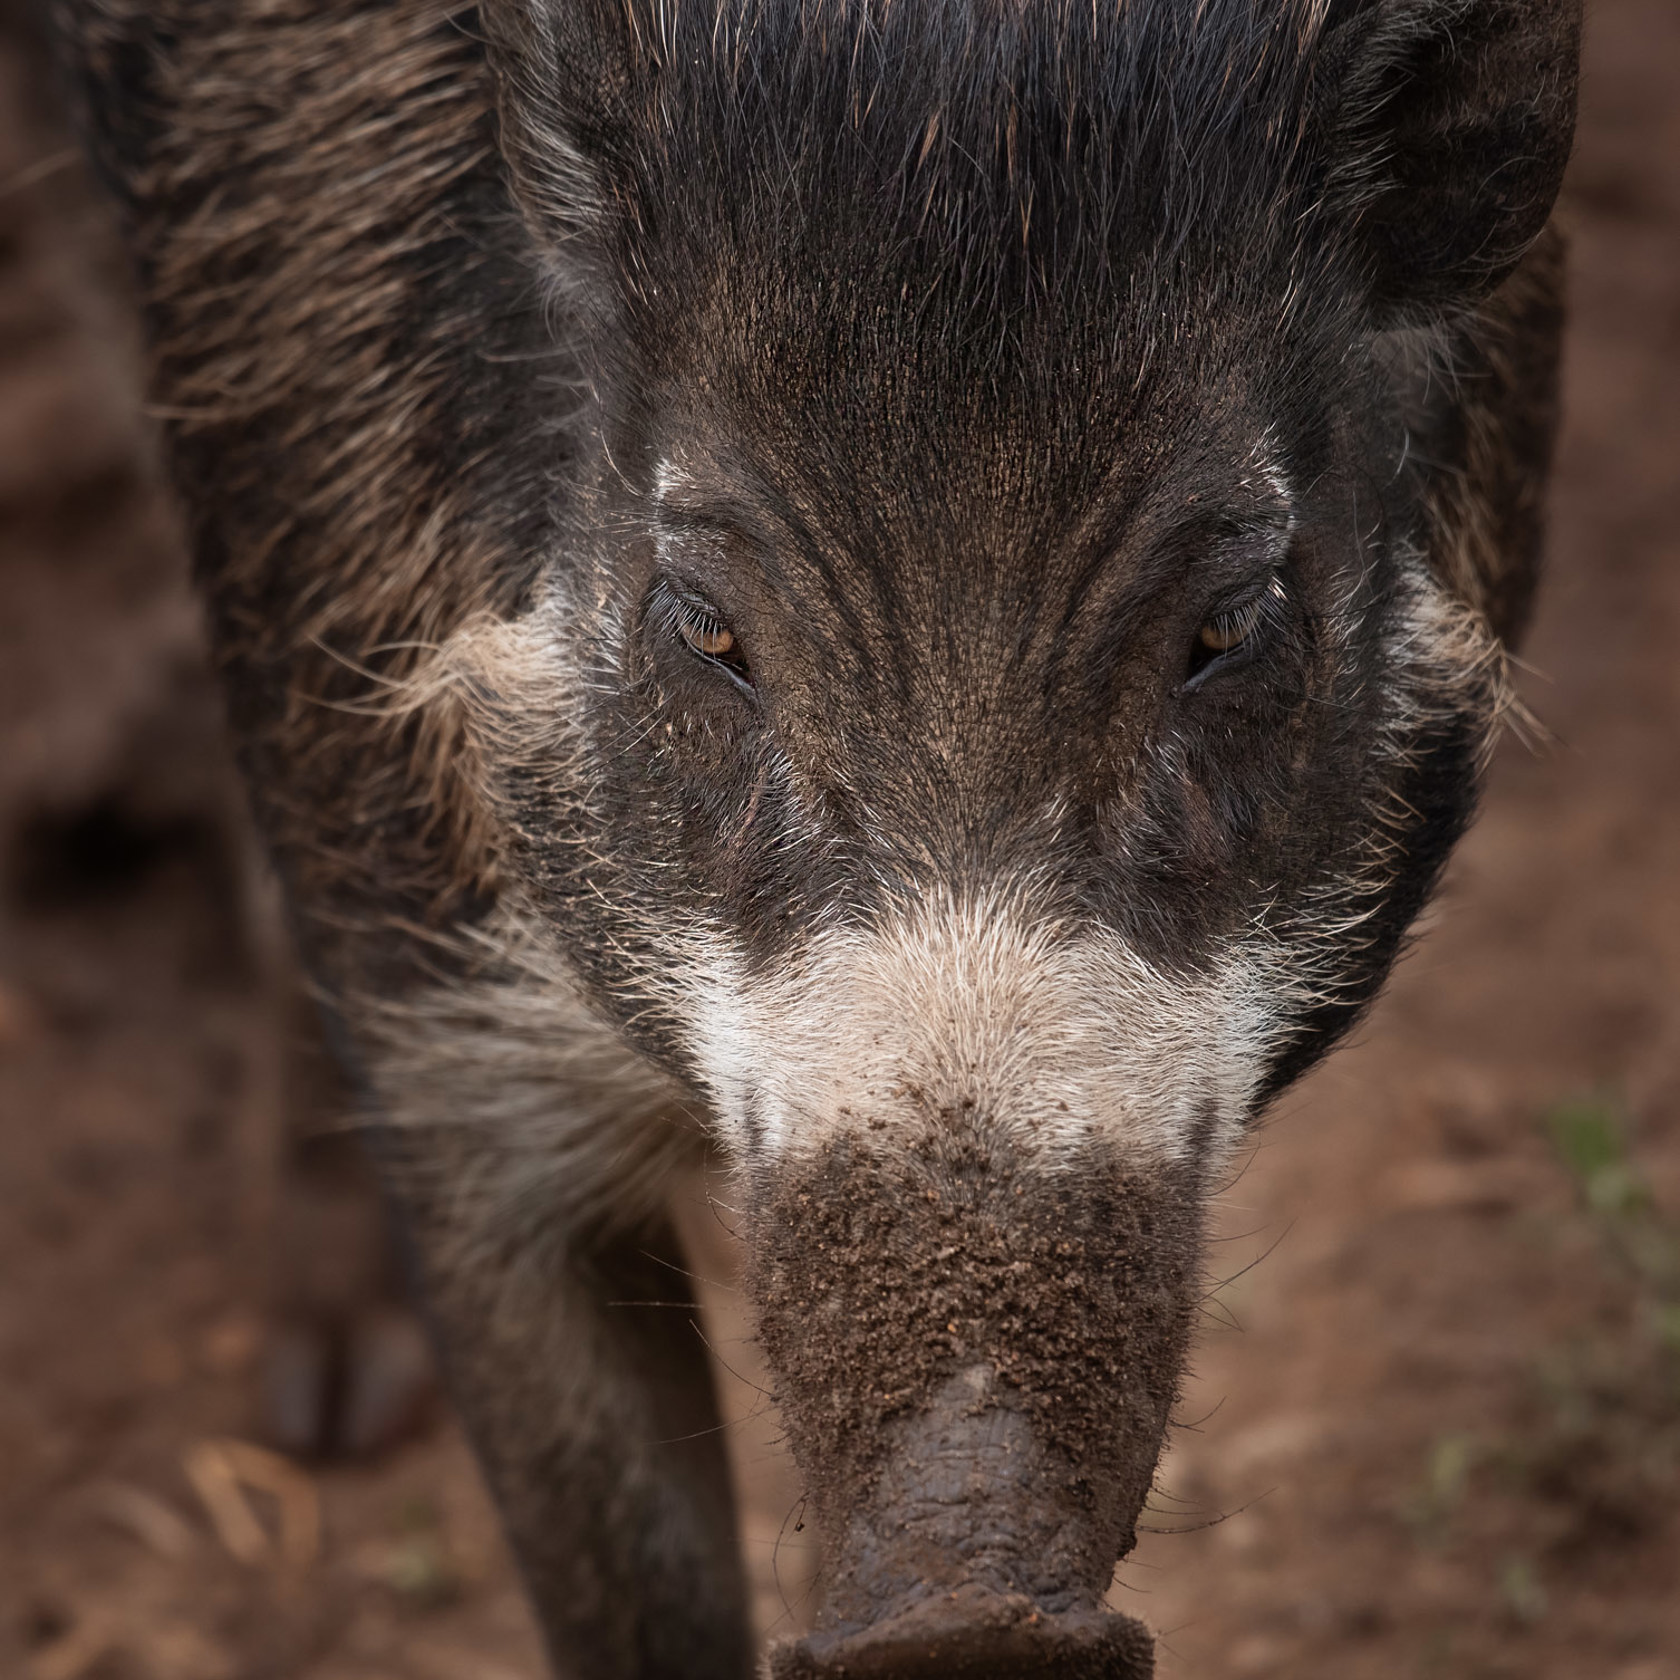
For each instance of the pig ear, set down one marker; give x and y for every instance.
(1450, 125)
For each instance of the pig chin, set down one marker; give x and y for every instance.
(976, 1356)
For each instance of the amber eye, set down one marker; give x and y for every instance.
(705, 635)
(1230, 628)
(1235, 633)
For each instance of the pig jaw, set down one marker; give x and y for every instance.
(975, 1358)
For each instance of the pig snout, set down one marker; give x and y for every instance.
(976, 1353)
(971, 1532)
(974, 1635)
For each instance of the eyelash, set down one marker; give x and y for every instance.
(702, 631)
(1209, 655)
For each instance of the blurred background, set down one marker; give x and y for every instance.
(1434, 1422)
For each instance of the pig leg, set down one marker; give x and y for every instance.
(577, 1361)
(346, 1368)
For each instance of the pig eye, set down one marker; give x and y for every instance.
(1234, 634)
(701, 629)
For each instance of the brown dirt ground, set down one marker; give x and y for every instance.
(1444, 1443)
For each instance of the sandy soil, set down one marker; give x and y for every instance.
(1432, 1430)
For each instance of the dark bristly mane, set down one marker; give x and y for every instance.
(1066, 141)
(1012, 156)
(995, 162)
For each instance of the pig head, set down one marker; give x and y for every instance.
(1043, 624)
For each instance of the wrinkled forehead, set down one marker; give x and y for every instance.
(1020, 482)
(974, 656)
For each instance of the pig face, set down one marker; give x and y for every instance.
(1048, 740)
(994, 618)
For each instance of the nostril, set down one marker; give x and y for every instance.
(976, 1635)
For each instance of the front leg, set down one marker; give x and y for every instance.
(574, 1353)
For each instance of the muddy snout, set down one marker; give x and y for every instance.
(964, 1545)
(975, 1357)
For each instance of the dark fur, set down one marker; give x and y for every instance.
(967, 324)
(354, 380)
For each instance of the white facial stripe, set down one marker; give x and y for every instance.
(1267, 463)
(1056, 1034)
(669, 479)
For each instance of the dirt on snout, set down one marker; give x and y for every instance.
(1434, 1434)
(975, 1359)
